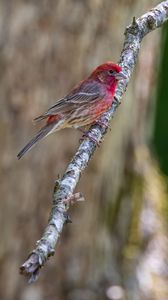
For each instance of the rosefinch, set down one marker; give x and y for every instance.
(83, 105)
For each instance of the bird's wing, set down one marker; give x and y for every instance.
(85, 93)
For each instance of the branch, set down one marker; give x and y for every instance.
(63, 191)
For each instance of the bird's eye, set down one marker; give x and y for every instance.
(111, 72)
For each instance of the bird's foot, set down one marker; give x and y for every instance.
(91, 138)
(103, 124)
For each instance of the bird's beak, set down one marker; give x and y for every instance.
(120, 76)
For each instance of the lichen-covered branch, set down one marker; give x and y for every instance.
(63, 194)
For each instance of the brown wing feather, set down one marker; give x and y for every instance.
(83, 94)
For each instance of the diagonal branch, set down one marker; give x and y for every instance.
(63, 194)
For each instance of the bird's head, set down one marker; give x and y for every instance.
(108, 73)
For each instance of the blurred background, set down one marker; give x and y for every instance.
(116, 247)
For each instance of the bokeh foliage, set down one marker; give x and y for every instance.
(161, 119)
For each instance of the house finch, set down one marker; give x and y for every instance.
(85, 103)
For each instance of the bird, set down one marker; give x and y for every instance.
(83, 105)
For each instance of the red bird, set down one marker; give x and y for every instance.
(83, 105)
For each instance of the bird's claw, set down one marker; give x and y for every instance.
(103, 124)
(91, 138)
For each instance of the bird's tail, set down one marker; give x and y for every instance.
(44, 131)
(40, 118)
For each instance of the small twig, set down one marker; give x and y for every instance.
(77, 197)
(64, 187)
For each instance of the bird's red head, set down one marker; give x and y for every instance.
(108, 73)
